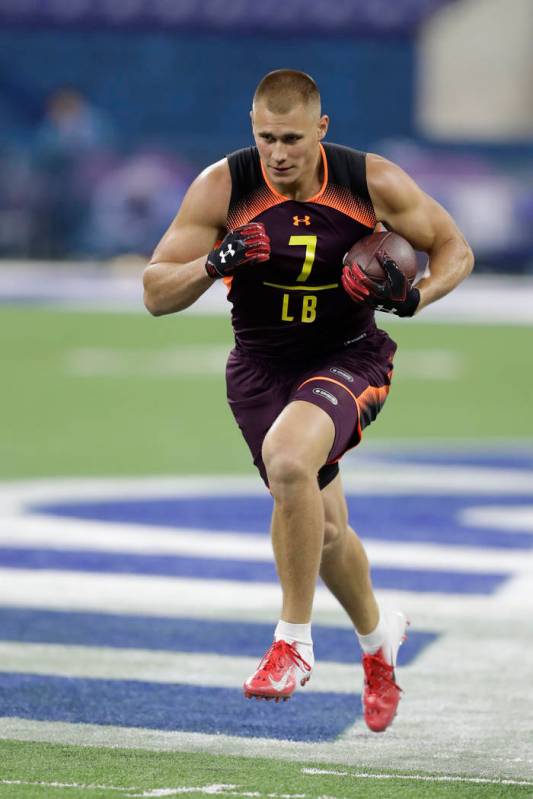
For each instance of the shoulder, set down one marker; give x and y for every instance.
(388, 185)
(209, 194)
(245, 170)
(214, 178)
(201, 218)
(342, 158)
(245, 155)
(347, 168)
(342, 151)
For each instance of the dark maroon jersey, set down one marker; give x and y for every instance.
(294, 304)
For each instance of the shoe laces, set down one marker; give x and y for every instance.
(278, 652)
(378, 673)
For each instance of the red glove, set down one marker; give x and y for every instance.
(245, 244)
(393, 295)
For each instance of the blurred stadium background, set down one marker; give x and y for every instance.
(108, 108)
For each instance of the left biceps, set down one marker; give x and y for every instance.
(424, 223)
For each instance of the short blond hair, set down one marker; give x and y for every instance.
(283, 89)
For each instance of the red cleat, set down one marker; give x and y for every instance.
(279, 673)
(381, 692)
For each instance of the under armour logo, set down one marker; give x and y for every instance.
(229, 252)
(306, 220)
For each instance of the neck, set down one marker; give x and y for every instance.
(309, 185)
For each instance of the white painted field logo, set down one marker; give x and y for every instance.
(323, 393)
(341, 373)
(171, 561)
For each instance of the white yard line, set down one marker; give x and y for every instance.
(516, 520)
(365, 477)
(179, 597)
(194, 360)
(205, 669)
(402, 748)
(479, 730)
(49, 532)
(214, 789)
(197, 360)
(358, 775)
(229, 789)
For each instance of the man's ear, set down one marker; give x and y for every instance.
(323, 126)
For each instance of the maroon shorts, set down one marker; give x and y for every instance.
(350, 384)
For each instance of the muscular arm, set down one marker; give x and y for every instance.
(406, 209)
(176, 275)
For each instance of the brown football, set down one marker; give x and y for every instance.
(392, 244)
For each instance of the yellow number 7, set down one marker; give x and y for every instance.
(309, 242)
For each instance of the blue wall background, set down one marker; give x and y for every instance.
(178, 100)
(193, 91)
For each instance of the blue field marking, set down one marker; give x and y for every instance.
(131, 703)
(409, 518)
(239, 639)
(521, 458)
(421, 580)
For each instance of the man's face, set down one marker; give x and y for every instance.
(288, 143)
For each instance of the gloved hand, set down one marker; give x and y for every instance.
(245, 244)
(393, 295)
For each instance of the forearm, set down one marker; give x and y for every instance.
(449, 264)
(171, 287)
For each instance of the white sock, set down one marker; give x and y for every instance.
(373, 641)
(299, 634)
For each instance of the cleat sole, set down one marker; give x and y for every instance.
(267, 698)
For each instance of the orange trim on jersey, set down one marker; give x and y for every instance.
(364, 400)
(228, 280)
(315, 197)
(330, 380)
(352, 395)
(340, 198)
(369, 395)
(258, 202)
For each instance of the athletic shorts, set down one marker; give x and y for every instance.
(350, 385)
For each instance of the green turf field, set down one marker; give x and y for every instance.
(29, 771)
(86, 394)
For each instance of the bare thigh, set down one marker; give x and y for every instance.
(298, 440)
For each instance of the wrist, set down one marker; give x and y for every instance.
(403, 308)
(411, 303)
(211, 269)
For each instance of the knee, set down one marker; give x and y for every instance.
(284, 470)
(283, 467)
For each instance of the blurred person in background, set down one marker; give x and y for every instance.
(71, 132)
(131, 203)
(310, 368)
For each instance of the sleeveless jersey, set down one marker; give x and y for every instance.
(294, 305)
